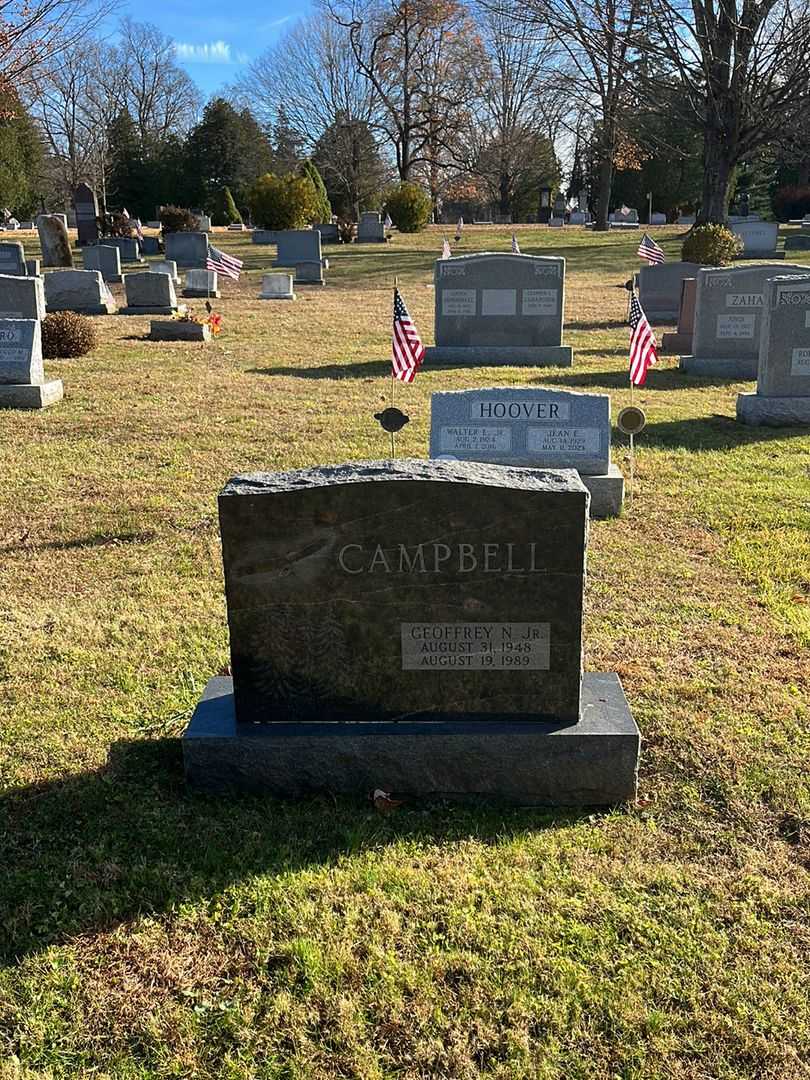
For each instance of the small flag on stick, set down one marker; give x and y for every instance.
(649, 250)
(388, 222)
(446, 252)
(223, 264)
(643, 347)
(408, 352)
(515, 245)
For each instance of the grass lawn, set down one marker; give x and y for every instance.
(147, 932)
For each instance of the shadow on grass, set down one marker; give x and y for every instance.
(715, 432)
(366, 370)
(103, 847)
(660, 379)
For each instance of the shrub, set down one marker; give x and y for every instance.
(310, 170)
(346, 229)
(115, 224)
(711, 245)
(409, 206)
(225, 211)
(178, 219)
(791, 202)
(66, 333)
(283, 202)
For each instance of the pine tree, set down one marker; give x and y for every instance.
(310, 169)
(21, 158)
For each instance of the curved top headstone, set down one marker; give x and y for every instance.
(53, 237)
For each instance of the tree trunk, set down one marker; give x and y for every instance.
(605, 182)
(504, 200)
(718, 169)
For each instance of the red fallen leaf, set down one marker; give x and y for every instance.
(225, 670)
(383, 803)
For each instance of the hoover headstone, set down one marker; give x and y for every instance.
(496, 308)
(728, 315)
(528, 427)
(782, 397)
(22, 375)
(415, 626)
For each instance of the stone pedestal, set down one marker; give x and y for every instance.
(24, 396)
(592, 762)
(717, 367)
(760, 411)
(607, 492)
(22, 376)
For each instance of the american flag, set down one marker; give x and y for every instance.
(642, 344)
(649, 250)
(388, 222)
(407, 348)
(223, 264)
(446, 252)
(136, 223)
(515, 245)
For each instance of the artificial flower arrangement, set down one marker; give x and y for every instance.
(212, 319)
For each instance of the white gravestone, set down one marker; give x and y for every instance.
(277, 287)
(201, 284)
(758, 237)
(83, 291)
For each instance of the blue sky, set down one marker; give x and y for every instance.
(216, 39)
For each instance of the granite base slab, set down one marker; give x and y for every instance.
(147, 310)
(797, 243)
(591, 763)
(286, 296)
(500, 356)
(24, 396)
(91, 309)
(201, 294)
(172, 330)
(676, 344)
(761, 411)
(719, 367)
(607, 492)
(761, 255)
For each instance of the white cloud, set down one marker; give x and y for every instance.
(216, 52)
(276, 22)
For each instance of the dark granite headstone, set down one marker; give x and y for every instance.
(86, 206)
(412, 625)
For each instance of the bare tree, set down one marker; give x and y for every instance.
(160, 97)
(33, 31)
(744, 66)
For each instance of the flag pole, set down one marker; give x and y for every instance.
(393, 380)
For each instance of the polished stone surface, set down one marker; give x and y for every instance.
(83, 291)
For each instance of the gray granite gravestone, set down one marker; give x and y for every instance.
(264, 236)
(659, 289)
(329, 232)
(309, 273)
(188, 249)
(494, 308)
(658, 219)
(149, 245)
(370, 228)
(680, 343)
(53, 238)
(783, 382)
(202, 284)
(165, 266)
(106, 258)
(21, 297)
(83, 291)
(535, 428)
(277, 287)
(728, 308)
(149, 294)
(12, 258)
(129, 248)
(577, 217)
(759, 239)
(415, 626)
(22, 375)
(686, 219)
(86, 206)
(32, 267)
(296, 246)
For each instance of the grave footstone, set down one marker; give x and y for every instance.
(759, 239)
(32, 267)
(680, 343)
(277, 287)
(728, 317)
(782, 397)
(106, 258)
(83, 291)
(188, 249)
(370, 228)
(414, 626)
(86, 207)
(494, 308)
(22, 376)
(53, 239)
(202, 283)
(309, 273)
(178, 330)
(149, 245)
(149, 294)
(165, 266)
(21, 297)
(532, 428)
(659, 289)
(12, 258)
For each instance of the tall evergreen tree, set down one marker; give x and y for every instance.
(21, 157)
(226, 149)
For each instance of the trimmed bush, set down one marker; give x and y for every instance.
(178, 219)
(66, 333)
(792, 201)
(711, 245)
(115, 224)
(310, 170)
(283, 202)
(409, 207)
